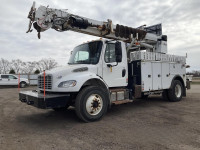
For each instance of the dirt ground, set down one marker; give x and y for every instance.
(143, 124)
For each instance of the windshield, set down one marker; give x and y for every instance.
(88, 53)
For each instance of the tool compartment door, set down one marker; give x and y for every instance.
(146, 72)
(156, 69)
(166, 80)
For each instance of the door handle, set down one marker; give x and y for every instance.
(123, 72)
(109, 65)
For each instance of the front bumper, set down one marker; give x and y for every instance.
(38, 100)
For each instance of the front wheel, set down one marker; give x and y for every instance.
(91, 103)
(176, 92)
(23, 84)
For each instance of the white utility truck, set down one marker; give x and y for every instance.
(128, 63)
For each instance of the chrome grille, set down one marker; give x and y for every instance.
(48, 82)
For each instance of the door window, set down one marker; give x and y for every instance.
(4, 76)
(110, 53)
(12, 77)
(81, 56)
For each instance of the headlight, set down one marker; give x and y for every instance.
(66, 84)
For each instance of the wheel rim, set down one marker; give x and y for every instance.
(22, 85)
(178, 91)
(94, 104)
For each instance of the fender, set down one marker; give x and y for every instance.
(178, 77)
(98, 81)
(89, 77)
(93, 79)
(101, 82)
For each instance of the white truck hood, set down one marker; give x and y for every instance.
(80, 73)
(70, 69)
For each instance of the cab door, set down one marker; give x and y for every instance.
(114, 74)
(12, 80)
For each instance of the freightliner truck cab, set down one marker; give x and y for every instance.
(93, 60)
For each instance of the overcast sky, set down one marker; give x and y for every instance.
(180, 20)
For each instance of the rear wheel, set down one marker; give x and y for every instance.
(91, 103)
(165, 95)
(23, 84)
(176, 92)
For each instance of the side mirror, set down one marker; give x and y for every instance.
(118, 51)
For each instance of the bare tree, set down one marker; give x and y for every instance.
(196, 73)
(47, 64)
(39, 66)
(4, 65)
(1, 67)
(17, 65)
(28, 67)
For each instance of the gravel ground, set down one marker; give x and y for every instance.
(144, 124)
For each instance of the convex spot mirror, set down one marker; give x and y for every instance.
(118, 51)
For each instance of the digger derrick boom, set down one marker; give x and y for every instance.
(45, 18)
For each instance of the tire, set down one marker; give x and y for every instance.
(91, 103)
(176, 92)
(23, 84)
(165, 95)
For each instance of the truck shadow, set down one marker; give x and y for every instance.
(8, 86)
(139, 105)
(51, 118)
(16, 86)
